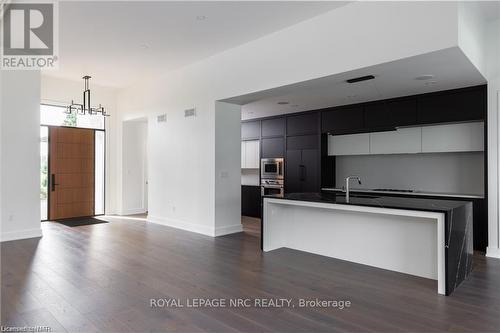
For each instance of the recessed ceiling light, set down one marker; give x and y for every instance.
(283, 103)
(424, 77)
(201, 17)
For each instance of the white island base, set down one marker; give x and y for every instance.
(400, 240)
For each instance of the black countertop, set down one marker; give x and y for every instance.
(376, 200)
(458, 224)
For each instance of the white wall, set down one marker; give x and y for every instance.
(227, 168)
(20, 154)
(183, 167)
(61, 92)
(134, 158)
(479, 39)
(492, 41)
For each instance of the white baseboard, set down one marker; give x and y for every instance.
(21, 234)
(230, 229)
(493, 252)
(132, 211)
(178, 224)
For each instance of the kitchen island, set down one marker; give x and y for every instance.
(423, 237)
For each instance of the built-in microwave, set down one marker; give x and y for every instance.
(272, 168)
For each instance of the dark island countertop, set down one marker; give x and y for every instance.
(458, 223)
(377, 200)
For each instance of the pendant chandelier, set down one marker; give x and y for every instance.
(86, 107)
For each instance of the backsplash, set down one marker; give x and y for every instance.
(460, 173)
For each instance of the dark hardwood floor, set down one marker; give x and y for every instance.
(101, 278)
(251, 225)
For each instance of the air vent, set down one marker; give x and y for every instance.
(361, 78)
(161, 118)
(190, 113)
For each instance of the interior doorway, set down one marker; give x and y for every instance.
(135, 184)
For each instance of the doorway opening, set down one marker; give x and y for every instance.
(72, 164)
(135, 185)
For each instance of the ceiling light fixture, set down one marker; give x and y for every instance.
(86, 106)
(424, 77)
(361, 78)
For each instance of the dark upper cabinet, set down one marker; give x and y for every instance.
(273, 127)
(343, 120)
(273, 147)
(449, 106)
(302, 124)
(250, 130)
(390, 114)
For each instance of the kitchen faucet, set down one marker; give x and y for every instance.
(347, 186)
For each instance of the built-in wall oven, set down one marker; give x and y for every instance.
(272, 176)
(272, 187)
(271, 168)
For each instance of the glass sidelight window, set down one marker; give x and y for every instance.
(99, 172)
(44, 171)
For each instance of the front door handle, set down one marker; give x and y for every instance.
(53, 182)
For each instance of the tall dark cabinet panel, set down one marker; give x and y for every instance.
(302, 170)
(250, 130)
(310, 170)
(272, 147)
(302, 160)
(273, 127)
(293, 162)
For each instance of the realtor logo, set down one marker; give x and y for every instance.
(29, 35)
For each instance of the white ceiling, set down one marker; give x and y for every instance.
(119, 43)
(450, 68)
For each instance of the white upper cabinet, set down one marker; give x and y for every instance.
(428, 139)
(402, 141)
(243, 154)
(250, 154)
(453, 138)
(352, 144)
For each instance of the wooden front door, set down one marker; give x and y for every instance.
(71, 167)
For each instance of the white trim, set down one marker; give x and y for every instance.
(438, 217)
(132, 211)
(229, 229)
(493, 252)
(21, 234)
(178, 224)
